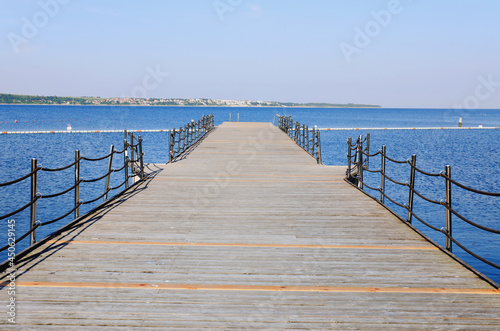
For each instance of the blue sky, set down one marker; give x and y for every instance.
(395, 53)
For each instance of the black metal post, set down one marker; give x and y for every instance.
(125, 161)
(349, 165)
(360, 165)
(313, 142)
(179, 142)
(382, 175)
(110, 167)
(169, 147)
(449, 232)
(318, 148)
(411, 188)
(77, 184)
(367, 150)
(34, 170)
(142, 157)
(132, 156)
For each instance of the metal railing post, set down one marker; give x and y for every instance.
(297, 133)
(110, 167)
(34, 178)
(180, 144)
(198, 130)
(306, 147)
(169, 146)
(313, 142)
(360, 143)
(449, 231)
(184, 137)
(411, 187)
(179, 141)
(318, 147)
(142, 157)
(382, 175)
(349, 157)
(303, 135)
(190, 139)
(360, 165)
(191, 133)
(132, 156)
(77, 184)
(367, 150)
(125, 161)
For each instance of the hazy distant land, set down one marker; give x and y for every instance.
(14, 99)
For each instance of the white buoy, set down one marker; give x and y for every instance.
(68, 128)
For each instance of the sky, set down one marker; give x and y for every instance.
(393, 53)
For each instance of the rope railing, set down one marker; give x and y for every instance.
(308, 139)
(117, 187)
(426, 198)
(135, 163)
(180, 140)
(360, 147)
(96, 179)
(17, 211)
(357, 163)
(63, 216)
(58, 169)
(392, 180)
(97, 158)
(33, 229)
(427, 173)
(480, 258)
(98, 198)
(20, 179)
(50, 196)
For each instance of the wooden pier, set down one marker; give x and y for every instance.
(246, 231)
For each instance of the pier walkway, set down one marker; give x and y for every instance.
(247, 231)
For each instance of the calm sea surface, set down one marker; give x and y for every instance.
(474, 156)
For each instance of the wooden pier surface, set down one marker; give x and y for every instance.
(247, 232)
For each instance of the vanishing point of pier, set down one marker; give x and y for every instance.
(246, 231)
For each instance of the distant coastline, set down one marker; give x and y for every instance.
(15, 99)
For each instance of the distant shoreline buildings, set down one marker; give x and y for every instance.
(14, 99)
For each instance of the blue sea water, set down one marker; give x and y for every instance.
(474, 156)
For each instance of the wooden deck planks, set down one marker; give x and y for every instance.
(248, 232)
